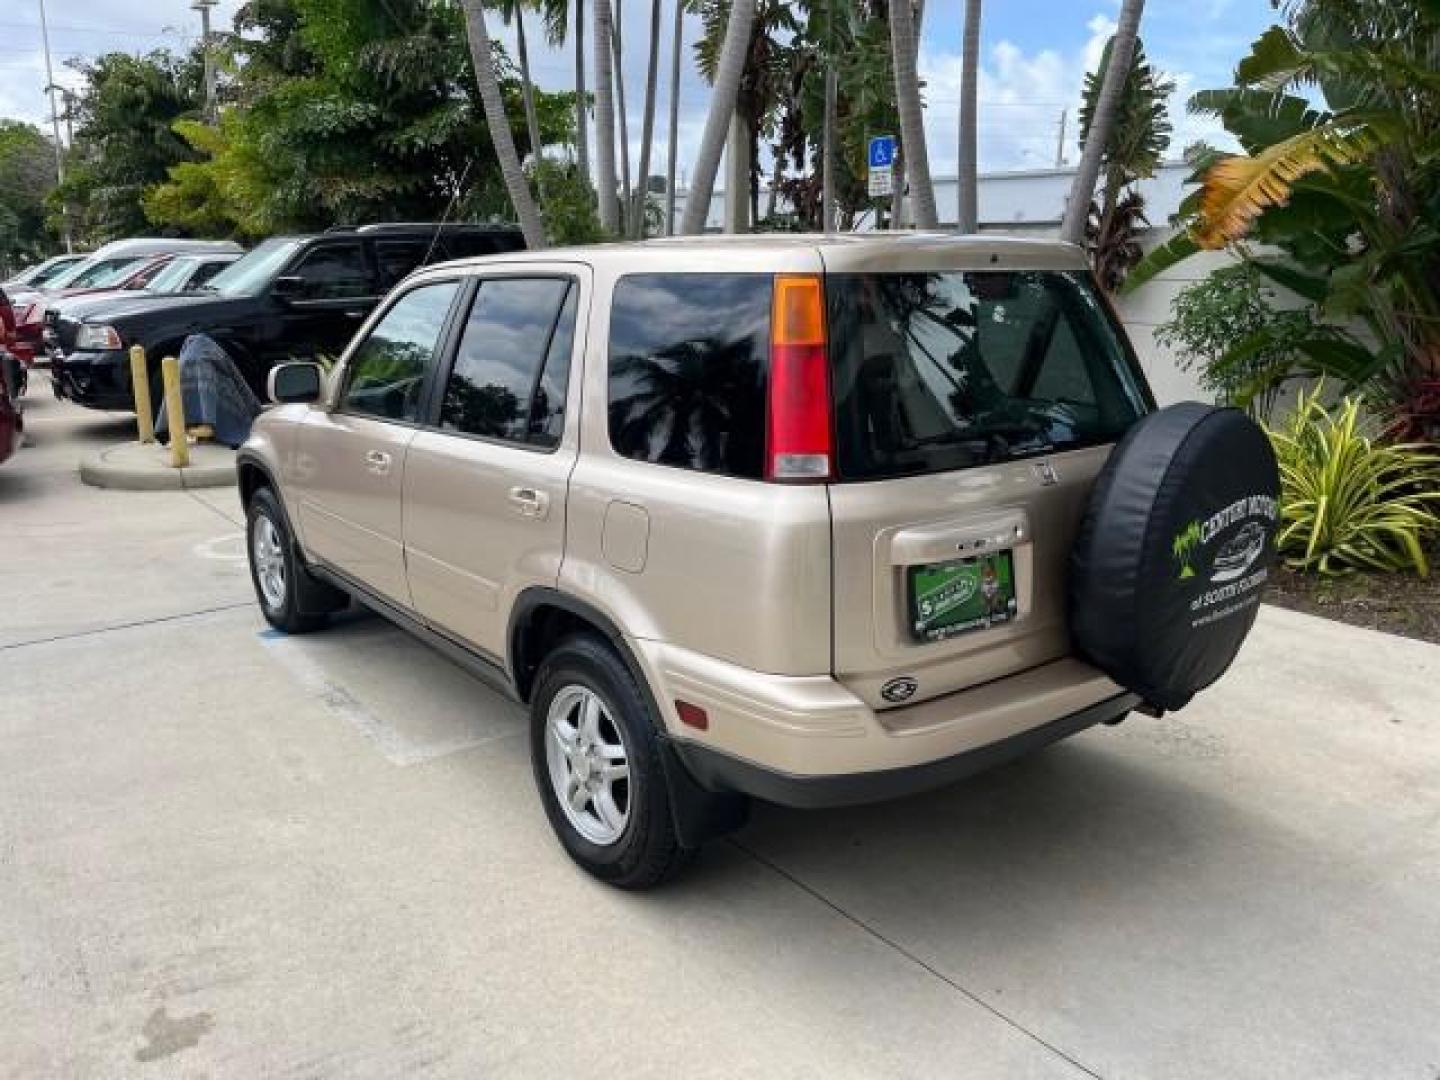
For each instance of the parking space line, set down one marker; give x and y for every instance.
(862, 925)
(398, 748)
(91, 632)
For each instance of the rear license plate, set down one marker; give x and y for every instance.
(956, 597)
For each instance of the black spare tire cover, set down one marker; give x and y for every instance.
(1174, 551)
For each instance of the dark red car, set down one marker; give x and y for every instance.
(129, 274)
(12, 427)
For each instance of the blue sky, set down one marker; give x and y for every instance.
(1034, 55)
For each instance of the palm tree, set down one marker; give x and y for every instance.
(672, 150)
(912, 121)
(969, 210)
(604, 119)
(1082, 191)
(1138, 141)
(582, 110)
(617, 44)
(647, 126)
(514, 10)
(483, 58)
(717, 122)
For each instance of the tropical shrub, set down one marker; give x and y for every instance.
(1227, 328)
(1337, 114)
(1349, 501)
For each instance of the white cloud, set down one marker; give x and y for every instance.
(1021, 98)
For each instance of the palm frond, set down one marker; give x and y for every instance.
(1238, 188)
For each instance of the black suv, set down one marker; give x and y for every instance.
(292, 297)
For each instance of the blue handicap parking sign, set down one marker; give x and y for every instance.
(882, 151)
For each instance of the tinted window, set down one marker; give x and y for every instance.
(465, 245)
(511, 361)
(332, 272)
(397, 258)
(944, 371)
(689, 359)
(387, 371)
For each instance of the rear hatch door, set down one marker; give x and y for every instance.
(973, 411)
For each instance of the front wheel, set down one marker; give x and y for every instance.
(596, 757)
(274, 570)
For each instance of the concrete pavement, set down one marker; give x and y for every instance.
(230, 853)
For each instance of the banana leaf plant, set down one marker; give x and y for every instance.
(1337, 114)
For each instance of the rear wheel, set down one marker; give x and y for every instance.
(596, 757)
(274, 569)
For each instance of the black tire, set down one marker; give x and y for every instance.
(14, 374)
(264, 511)
(647, 851)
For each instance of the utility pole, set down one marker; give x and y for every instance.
(54, 119)
(827, 144)
(1060, 142)
(203, 7)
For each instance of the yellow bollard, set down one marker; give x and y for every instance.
(140, 383)
(175, 413)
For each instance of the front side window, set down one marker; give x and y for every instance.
(387, 371)
(333, 272)
(512, 366)
(947, 370)
(689, 363)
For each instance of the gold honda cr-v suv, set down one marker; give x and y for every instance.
(815, 519)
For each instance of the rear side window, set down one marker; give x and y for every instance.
(396, 258)
(513, 364)
(388, 369)
(689, 362)
(940, 371)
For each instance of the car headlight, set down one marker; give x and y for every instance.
(97, 338)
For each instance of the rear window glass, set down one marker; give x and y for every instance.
(948, 370)
(689, 360)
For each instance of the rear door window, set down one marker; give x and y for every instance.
(512, 366)
(689, 363)
(949, 370)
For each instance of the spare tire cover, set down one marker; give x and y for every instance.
(1174, 551)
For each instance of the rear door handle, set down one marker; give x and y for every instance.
(377, 462)
(529, 502)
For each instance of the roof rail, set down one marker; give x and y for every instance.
(341, 229)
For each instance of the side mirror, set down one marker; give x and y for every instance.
(288, 288)
(295, 383)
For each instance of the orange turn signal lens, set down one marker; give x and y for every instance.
(798, 316)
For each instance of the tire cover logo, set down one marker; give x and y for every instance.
(1219, 553)
(900, 689)
(1237, 535)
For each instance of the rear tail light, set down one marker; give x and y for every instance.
(799, 444)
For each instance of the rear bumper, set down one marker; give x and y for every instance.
(718, 771)
(810, 741)
(97, 380)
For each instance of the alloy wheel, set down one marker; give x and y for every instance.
(588, 764)
(269, 558)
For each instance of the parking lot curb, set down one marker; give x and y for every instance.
(137, 467)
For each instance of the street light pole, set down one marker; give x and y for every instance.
(203, 7)
(54, 117)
